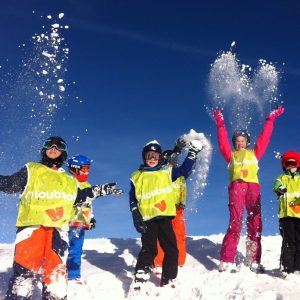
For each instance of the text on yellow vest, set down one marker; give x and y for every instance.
(154, 193)
(48, 197)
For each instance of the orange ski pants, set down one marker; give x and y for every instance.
(180, 232)
(40, 249)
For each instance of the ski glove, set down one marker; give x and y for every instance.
(276, 113)
(138, 221)
(281, 191)
(179, 145)
(92, 223)
(106, 189)
(195, 147)
(218, 115)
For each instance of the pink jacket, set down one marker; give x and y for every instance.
(259, 148)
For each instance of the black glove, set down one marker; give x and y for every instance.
(180, 144)
(138, 221)
(106, 189)
(281, 191)
(92, 223)
(195, 147)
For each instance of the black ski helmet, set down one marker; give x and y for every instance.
(155, 147)
(61, 145)
(241, 132)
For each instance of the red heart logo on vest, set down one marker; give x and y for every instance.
(295, 208)
(86, 213)
(244, 172)
(161, 205)
(55, 214)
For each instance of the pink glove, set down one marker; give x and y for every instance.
(219, 118)
(275, 113)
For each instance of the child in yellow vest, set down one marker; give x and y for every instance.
(152, 203)
(79, 167)
(48, 194)
(287, 188)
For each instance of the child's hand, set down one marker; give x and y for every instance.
(195, 147)
(218, 115)
(180, 144)
(106, 189)
(138, 221)
(281, 191)
(92, 223)
(276, 113)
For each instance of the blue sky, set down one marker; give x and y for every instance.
(141, 72)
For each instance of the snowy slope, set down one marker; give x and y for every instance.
(108, 266)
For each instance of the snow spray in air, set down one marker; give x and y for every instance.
(242, 91)
(34, 91)
(197, 181)
(33, 88)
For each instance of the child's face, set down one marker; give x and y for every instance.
(53, 153)
(291, 165)
(152, 162)
(240, 143)
(152, 158)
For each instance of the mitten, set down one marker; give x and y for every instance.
(138, 221)
(179, 145)
(218, 115)
(92, 223)
(276, 113)
(281, 191)
(195, 147)
(106, 189)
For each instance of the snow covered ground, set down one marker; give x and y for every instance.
(108, 266)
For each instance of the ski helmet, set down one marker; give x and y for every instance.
(241, 132)
(58, 143)
(291, 156)
(152, 146)
(79, 166)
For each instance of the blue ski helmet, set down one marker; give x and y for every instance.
(76, 162)
(79, 166)
(241, 132)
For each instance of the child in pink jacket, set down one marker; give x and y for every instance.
(244, 191)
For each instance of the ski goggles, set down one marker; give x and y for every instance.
(59, 145)
(152, 155)
(291, 164)
(85, 169)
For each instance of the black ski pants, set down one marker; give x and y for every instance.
(161, 230)
(290, 250)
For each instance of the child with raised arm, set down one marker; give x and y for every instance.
(48, 194)
(244, 191)
(153, 206)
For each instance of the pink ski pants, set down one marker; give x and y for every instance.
(243, 194)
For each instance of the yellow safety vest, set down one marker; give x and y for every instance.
(243, 166)
(289, 203)
(48, 197)
(154, 193)
(179, 187)
(82, 213)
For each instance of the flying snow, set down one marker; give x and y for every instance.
(242, 91)
(198, 179)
